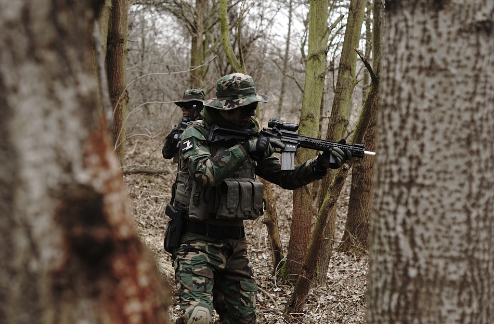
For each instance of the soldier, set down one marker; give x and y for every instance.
(191, 104)
(216, 188)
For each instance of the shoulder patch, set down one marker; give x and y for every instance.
(187, 145)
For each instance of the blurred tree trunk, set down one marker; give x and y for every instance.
(309, 120)
(432, 224)
(338, 121)
(357, 223)
(69, 253)
(116, 66)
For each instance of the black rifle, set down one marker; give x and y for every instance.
(287, 134)
(184, 122)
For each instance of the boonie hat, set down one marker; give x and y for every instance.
(233, 91)
(192, 95)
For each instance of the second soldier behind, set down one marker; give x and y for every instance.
(191, 105)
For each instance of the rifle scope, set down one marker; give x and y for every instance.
(276, 123)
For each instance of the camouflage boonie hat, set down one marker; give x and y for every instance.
(233, 91)
(192, 95)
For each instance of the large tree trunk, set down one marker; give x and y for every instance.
(115, 65)
(309, 121)
(432, 224)
(338, 121)
(69, 252)
(355, 236)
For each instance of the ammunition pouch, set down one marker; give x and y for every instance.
(240, 199)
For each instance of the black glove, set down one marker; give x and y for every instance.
(333, 158)
(174, 135)
(262, 147)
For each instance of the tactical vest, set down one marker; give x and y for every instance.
(239, 197)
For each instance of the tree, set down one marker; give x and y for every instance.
(116, 55)
(69, 249)
(355, 235)
(339, 119)
(431, 242)
(309, 120)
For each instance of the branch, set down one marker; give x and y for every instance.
(145, 171)
(367, 65)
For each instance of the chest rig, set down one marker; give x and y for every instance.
(238, 197)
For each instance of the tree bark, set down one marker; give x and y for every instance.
(338, 121)
(237, 66)
(304, 281)
(116, 65)
(309, 121)
(69, 251)
(432, 224)
(355, 236)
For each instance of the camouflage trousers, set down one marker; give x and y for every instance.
(211, 272)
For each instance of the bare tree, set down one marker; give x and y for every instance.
(69, 249)
(309, 120)
(356, 231)
(340, 113)
(116, 54)
(431, 242)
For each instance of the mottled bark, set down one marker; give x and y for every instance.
(432, 224)
(69, 251)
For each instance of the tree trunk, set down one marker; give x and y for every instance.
(115, 65)
(304, 281)
(286, 58)
(271, 221)
(309, 121)
(237, 66)
(432, 224)
(199, 47)
(355, 236)
(338, 121)
(69, 253)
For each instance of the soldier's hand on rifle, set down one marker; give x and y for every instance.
(262, 147)
(333, 159)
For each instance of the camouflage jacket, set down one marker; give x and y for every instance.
(209, 170)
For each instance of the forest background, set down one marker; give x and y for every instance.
(70, 249)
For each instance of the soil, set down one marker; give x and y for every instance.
(341, 300)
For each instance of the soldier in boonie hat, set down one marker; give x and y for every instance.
(191, 104)
(233, 91)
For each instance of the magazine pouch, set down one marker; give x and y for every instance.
(240, 199)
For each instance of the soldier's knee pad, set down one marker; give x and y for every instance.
(200, 315)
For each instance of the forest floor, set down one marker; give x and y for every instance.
(341, 300)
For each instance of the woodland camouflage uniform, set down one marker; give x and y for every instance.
(211, 264)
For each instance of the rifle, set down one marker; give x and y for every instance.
(176, 134)
(287, 134)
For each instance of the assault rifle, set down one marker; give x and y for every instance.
(287, 134)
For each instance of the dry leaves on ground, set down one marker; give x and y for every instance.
(342, 300)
